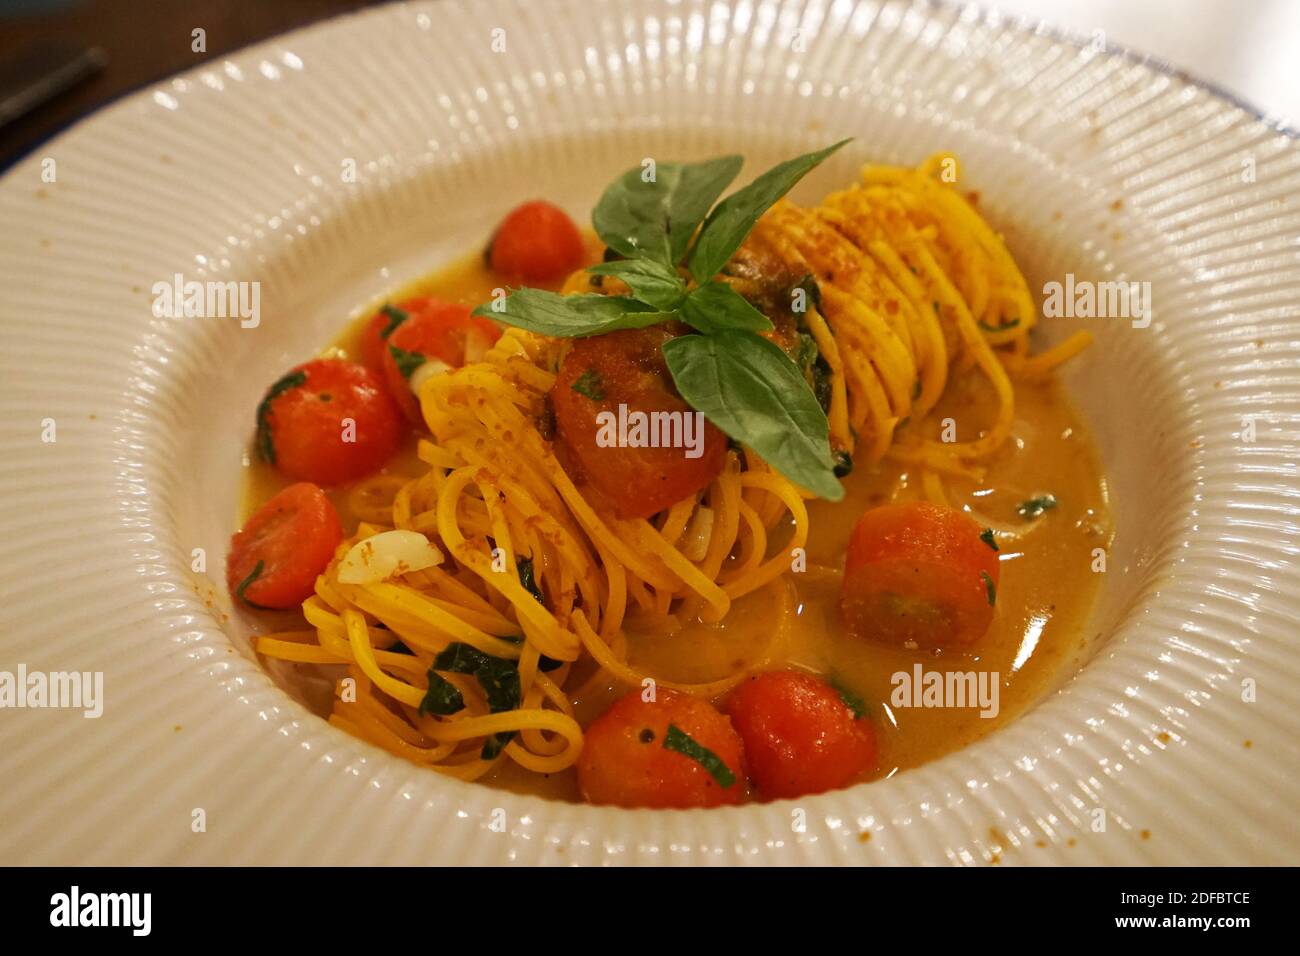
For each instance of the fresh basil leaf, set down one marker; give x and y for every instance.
(655, 220)
(682, 742)
(715, 306)
(572, 316)
(651, 281)
(442, 697)
(407, 362)
(265, 446)
(751, 389)
(732, 219)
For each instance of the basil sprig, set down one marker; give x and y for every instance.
(743, 383)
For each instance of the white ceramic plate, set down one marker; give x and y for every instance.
(233, 171)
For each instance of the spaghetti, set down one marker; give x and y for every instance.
(542, 582)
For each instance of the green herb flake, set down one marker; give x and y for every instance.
(990, 588)
(812, 294)
(987, 537)
(590, 385)
(499, 679)
(396, 317)
(527, 577)
(407, 362)
(252, 576)
(442, 697)
(998, 328)
(678, 740)
(265, 446)
(1036, 506)
(852, 700)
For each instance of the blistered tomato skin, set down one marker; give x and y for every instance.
(625, 762)
(536, 242)
(919, 575)
(625, 372)
(800, 736)
(328, 422)
(276, 557)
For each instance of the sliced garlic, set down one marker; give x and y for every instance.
(427, 370)
(386, 554)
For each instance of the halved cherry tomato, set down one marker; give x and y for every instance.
(374, 340)
(919, 574)
(276, 557)
(435, 331)
(536, 242)
(329, 422)
(627, 368)
(800, 736)
(676, 751)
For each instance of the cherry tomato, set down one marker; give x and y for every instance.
(436, 331)
(329, 422)
(919, 574)
(536, 242)
(627, 368)
(632, 755)
(800, 736)
(374, 340)
(276, 557)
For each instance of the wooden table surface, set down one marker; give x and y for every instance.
(145, 41)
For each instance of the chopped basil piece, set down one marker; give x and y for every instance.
(998, 328)
(678, 740)
(252, 576)
(589, 385)
(852, 700)
(1036, 506)
(396, 317)
(528, 578)
(442, 698)
(407, 362)
(990, 588)
(987, 537)
(499, 679)
(265, 446)
(812, 293)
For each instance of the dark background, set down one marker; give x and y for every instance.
(144, 40)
